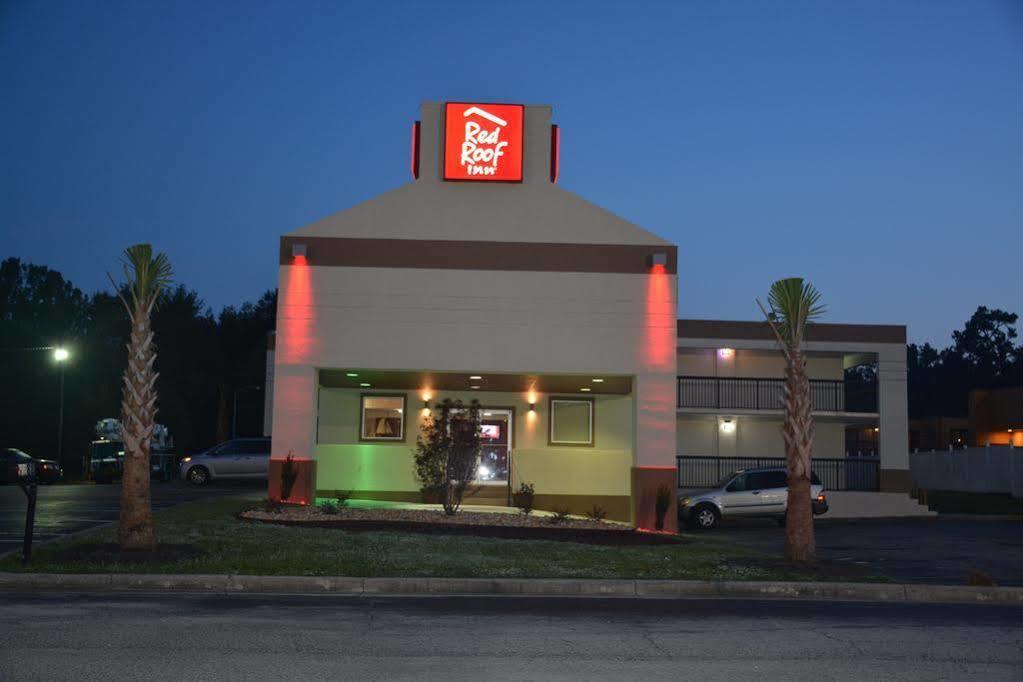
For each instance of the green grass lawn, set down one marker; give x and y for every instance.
(239, 547)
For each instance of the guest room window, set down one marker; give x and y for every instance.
(571, 421)
(383, 417)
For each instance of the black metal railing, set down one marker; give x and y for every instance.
(857, 473)
(750, 393)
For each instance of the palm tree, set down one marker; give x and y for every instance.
(794, 302)
(146, 277)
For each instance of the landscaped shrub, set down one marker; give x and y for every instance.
(271, 505)
(448, 451)
(560, 516)
(979, 578)
(597, 513)
(289, 474)
(341, 498)
(661, 504)
(328, 508)
(523, 498)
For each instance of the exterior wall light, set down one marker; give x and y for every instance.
(727, 426)
(585, 389)
(659, 258)
(532, 407)
(726, 353)
(364, 384)
(298, 250)
(61, 354)
(475, 377)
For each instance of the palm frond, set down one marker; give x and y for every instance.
(146, 275)
(793, 303)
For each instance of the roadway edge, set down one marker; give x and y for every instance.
(533, 587)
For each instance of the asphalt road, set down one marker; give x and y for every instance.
(177, 636)
(67, 508)
(925, 551)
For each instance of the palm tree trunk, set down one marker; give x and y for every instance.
(798, 433)
(138, 418)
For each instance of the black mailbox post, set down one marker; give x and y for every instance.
(28, 482)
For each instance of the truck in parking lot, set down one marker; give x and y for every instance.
(106, 454)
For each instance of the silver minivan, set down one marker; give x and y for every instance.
(236, 458)
(747, 493)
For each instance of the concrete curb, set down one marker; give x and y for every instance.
(642, 589)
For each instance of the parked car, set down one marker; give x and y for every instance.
(747, 493)
(10, 460)
(236, 458)
(47, 470)
(106, 462)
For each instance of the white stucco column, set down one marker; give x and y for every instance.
(656, 420)
(294, 412)
(893, 437)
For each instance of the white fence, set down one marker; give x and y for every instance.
(991, 469)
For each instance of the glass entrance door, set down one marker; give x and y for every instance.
(496, 440)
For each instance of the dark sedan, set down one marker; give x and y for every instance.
(14, 463)
(48, 471)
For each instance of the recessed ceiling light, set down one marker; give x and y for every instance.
(475, 377)
(585, 389)
(475, 388)
(351, 374)
(364, 384)
(488, 414)
(598, 381)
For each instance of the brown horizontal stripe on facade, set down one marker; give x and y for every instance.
(734, 329)
(477, 255)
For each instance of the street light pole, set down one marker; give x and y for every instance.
(60, 356)
(60, 420)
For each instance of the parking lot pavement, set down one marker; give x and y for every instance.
(68, 508)
(926, 551)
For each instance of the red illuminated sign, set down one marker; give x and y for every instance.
(483, 142)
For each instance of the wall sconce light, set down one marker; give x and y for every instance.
(659, 258)
(532, 407)
(727, 426)
(726, 353)
(298, 250)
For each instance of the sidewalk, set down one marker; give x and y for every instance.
(637, 589)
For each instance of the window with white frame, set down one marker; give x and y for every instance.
(571, 421)
(383, 417)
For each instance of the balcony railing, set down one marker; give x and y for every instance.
(749, 393)
(835, 473)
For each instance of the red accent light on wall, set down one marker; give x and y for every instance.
(415, 149)
(483, 142)
(555, 152)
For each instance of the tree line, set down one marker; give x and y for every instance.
(205, 362)
(983, 354)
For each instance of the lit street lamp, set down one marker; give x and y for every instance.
(61, 355)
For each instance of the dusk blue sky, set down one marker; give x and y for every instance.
(873, 147)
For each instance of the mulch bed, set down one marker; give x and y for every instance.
(111, 552)
(478, 524)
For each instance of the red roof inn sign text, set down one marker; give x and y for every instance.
(483, 142)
